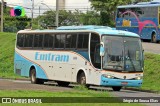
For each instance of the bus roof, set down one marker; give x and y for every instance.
(101, 30)
(141, 4)
(86, 27)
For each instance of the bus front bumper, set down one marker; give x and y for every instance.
(120, 82)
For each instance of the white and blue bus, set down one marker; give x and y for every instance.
(88, 55)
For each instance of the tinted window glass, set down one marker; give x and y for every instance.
(94, 50)
(71, 40)
(38, 40)
(139, 12)
(59, 41)
(48, 40)
(28, 40)
(20, 40)
(83, 40)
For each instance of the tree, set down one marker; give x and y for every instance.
(107, 9)
(90, 18)
(13, 24)
(67, 18)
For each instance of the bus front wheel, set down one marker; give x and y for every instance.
(33, 78)
(116, 88)
(82, 79)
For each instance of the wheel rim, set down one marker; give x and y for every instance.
(83, 80)
(154, 38)
(33, 77)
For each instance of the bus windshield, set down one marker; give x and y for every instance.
(122, 54)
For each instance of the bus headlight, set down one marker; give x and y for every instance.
(139, 78)
(108, 76)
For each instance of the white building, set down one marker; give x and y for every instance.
(76, 4)
(69, 4)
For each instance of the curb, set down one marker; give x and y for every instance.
(141, 90)
(23, 79)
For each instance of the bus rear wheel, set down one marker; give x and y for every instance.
(154, 40)
(82, 80)
(33, 78)
(116, 88)
(62, 83)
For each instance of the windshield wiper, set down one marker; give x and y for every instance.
(131, 61)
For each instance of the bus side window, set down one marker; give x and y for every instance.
(48, 41)
(28, 41)
(71, 41)
(20, 40)
(38, 41)
(83, 39)
(60, 41)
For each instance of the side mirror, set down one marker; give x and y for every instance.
(102, 49)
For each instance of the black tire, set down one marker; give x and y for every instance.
(82, 80)
(62, 83)
(40, 81)
(116, 88)
(142, 40)
(154, 40)
(33, 78)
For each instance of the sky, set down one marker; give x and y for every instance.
(70, 5)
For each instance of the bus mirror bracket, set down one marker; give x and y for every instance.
(102, 49)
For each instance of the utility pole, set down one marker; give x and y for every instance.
(2, 3)
(39, 15)
(57, 12)
(39, 10)
(32, 13)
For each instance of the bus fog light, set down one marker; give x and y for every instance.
(139, 78)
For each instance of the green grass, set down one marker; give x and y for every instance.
(30, 93)
(75, 104)
(7, 44)
(151, 79)
(75, 93)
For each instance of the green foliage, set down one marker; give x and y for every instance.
(81, 88)
(7, 44)
(107, 9)
(151, 72)
(40, 93)
(67, 18)
(13, 24)
(74, 94)
(104, 15)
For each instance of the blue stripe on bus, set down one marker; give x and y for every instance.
(118, 82)
(24, 65)
(84, 54)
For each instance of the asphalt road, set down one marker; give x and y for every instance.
(151, 47)
(6, 84)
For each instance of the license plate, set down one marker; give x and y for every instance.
(124, 83)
